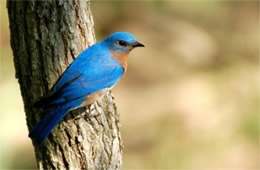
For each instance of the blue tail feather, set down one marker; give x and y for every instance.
(41, 131)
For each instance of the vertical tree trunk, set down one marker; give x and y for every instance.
(45, 37)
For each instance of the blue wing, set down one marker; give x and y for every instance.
(93, 70)
(86, 84)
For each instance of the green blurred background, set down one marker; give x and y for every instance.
(190, 99)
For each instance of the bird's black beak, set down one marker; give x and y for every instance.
(137, 44)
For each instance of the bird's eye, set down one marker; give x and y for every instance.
(122, 43)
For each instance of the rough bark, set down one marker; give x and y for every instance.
(45, 37)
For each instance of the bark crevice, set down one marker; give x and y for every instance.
(45, 38)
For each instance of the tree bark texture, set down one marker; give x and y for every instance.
(46, 36)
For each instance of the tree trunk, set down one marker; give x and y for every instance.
(46, 36)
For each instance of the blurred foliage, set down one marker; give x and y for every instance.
(190, 99)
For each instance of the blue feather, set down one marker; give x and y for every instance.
(45, 126)
(93, 70)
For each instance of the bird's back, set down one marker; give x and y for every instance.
(93, 70)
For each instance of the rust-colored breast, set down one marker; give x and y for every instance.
(122, 59)
(91, 98)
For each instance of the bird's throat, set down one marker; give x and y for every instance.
(122, 58)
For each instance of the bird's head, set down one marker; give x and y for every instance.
(122, 42)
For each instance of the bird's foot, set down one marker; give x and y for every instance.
(93, 111)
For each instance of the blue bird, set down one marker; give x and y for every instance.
(96, 70)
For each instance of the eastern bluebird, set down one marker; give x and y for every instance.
(94, 71)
